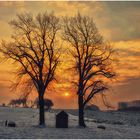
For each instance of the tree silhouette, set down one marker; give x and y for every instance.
(13, 102)
(20, 101)
(33, 48)
(91, 56)
(47, 104)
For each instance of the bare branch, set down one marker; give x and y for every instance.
(34, 48)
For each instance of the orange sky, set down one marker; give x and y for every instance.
(117, 21)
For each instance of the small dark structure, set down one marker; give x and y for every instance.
(10, 123)
(62, 120)
(101, 127)
(92, 107)
(129, 106)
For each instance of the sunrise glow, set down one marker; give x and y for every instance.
(66, 94)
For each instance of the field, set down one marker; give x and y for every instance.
(118, 125)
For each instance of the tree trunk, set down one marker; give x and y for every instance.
(41, 110)
(81, 111)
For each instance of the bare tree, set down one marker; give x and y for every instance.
(47, 103)
(34, 49)
(92, 58)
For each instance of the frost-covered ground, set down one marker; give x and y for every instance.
(118, 125)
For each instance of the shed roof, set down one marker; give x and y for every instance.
(62, 113)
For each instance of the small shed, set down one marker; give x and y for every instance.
(62, 120)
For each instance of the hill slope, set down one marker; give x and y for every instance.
(27, 120)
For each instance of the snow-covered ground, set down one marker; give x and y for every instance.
(118, 125)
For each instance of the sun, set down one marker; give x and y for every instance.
(66, 94)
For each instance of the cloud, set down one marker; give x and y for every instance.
(5, 31)
(115, 20)
(11, 4)
(128, 56)
(123, 19)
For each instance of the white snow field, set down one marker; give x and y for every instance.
(118, 125)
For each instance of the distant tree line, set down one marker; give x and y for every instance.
(18, 102)
(132, 105)
(25, 103)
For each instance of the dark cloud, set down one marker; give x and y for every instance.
(120, 19)
(120, 6)
(124, 19)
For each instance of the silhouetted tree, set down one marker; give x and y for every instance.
(47, 104)
(122, 105)
(92, 58)
(23, 102)
(24, 99)
(3, 104)
(13, 102)
(33, 48)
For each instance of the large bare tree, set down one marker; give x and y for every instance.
(35, 50)
(92, 59)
